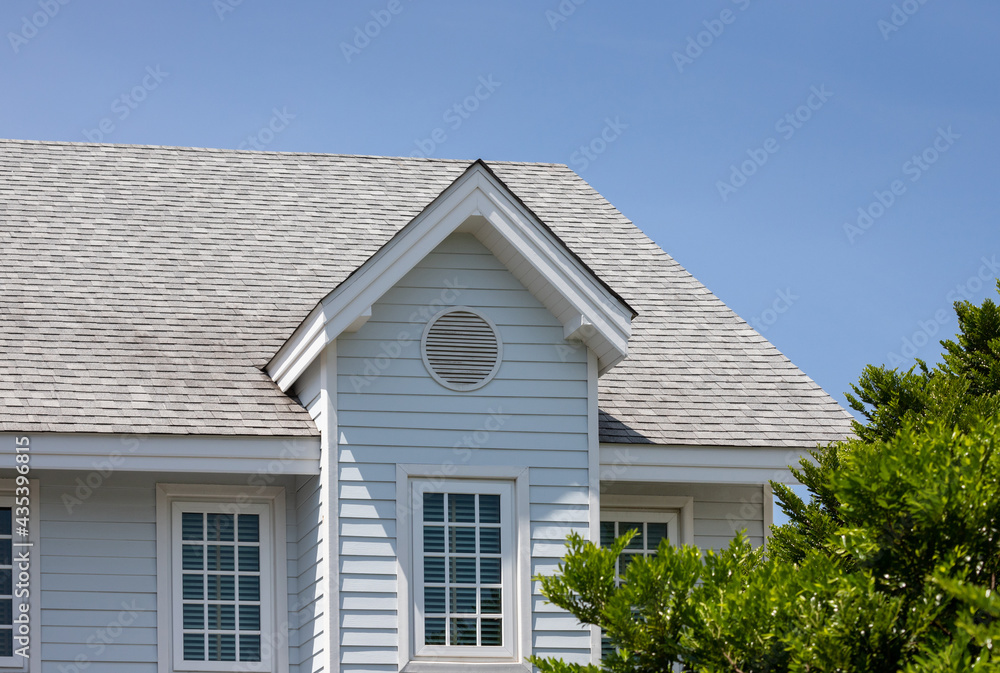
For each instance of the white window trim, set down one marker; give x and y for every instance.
(406, 475)
(273, 642)
(683, 506)
(8, 493)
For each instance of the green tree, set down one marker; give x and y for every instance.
(891, 566)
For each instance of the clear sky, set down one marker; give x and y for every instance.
(743, 136)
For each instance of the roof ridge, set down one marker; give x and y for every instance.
(230, 150)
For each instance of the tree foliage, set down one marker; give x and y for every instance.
(890, 566)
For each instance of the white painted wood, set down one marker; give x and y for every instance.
(716, 513)
(478, 195)
(535, 417)
(768, 511)
(155, 453)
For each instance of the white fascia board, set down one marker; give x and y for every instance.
(571, 278)
(167, 453)
(698, 464)
(475, 193)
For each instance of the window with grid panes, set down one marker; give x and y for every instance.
(221, 583)
(464, 553)
(650, 528)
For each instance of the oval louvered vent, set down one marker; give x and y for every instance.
(461, 349)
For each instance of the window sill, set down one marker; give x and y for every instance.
(472, 666)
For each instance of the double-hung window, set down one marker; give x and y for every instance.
(221, 582)
(650, 527)
(465, 572)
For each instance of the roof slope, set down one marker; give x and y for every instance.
(142, 289)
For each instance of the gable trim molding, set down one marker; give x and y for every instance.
(480, 203)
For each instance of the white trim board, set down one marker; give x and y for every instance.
(698, 464)
(479, 203)
(175, 453)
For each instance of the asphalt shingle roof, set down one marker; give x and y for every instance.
(142, 290)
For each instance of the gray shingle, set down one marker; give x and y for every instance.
(144, 288)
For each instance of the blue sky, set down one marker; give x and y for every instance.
(742, 136)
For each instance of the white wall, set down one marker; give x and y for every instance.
(98, 568)
(391, 411)
(720, 510)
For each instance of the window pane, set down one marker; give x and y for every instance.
(219, 557)
(607, 533)
(654, 533)
(626, 559)
(489, 540)
(5, 583)
(220, 529)
(221, 617)
(492, 632)
(461, 508)
(7, 643)
(192, 527)
(434, 507)
(193, 587)
(249, 588)
(249, 648)
(194, 647)
(463, 570)
(636, 542)
(222, 587)
(5, 521)
(249, 528)
(434, 600)
(434, 539)
(194, 616)
(489, 509)
(221, 647)
(489, 571)
(463, 600)
(434, 631)
(463, 631)
(490, 601)
(192, 557)
(249, 559)
(462, 540)
(434, 569)
(250, 617)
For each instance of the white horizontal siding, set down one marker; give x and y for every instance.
(307, 601)
(720, 510)
(98, 568)
(390, 410)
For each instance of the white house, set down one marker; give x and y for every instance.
(295, 412)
